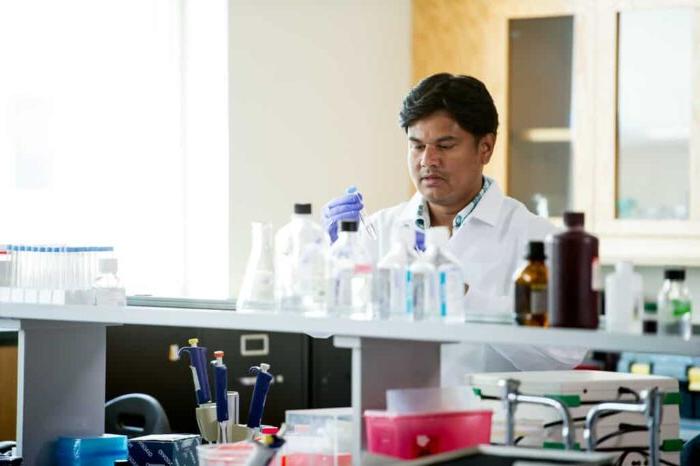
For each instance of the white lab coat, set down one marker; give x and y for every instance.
(490, 246)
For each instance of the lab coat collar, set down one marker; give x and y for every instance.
(487, 210)
(489, 207)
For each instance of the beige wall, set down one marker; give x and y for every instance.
(315, 89)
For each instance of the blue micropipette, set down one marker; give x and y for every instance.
(369, 228)
(220, 387)
(257, 403)
(198, 364)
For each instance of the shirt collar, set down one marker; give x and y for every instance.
(485, 206)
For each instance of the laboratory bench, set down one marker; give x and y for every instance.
(62, 356)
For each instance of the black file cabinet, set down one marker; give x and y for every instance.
(308, 372)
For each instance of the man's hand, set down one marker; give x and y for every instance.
(346, 207)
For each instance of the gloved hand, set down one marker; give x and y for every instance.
(345, 207)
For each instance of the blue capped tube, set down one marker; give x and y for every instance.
(198, 364)
(257, 403)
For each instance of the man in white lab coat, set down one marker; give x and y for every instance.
(451, 123)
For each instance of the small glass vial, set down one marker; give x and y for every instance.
(531, 288)
(674, 305)
(107, 289)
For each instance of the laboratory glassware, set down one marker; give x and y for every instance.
(531, 288)
(389, 291)
(674, 305)
(350, 274)
(258, 287)
(300, 260)
(449, 274)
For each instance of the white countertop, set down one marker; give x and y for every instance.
(327, 326)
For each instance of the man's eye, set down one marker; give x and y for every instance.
(418, 146)
(445, 146)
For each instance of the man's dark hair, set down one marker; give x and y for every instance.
(464, 98)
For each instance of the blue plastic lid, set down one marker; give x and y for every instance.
(107, 446)
(351, 189)
(22, 248)
(42, 249)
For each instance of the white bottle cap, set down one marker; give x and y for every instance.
(624, 267)
(437, 236)
(108, 265)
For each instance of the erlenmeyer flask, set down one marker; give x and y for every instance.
(258, 289)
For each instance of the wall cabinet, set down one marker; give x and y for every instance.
(598, 110)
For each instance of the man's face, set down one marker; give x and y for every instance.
(445, 161)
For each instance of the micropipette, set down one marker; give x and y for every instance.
(198, 358)
(222, 411)
(369, 228)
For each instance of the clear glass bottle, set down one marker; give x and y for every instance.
(449, 275)
(258, 288)
(674, 305)
(422, 281)
(107, 288)
(301, 247)
(390, 285)
(531, 288)
(350, 275)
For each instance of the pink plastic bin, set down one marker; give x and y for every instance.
(412, 435)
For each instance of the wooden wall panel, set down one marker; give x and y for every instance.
(8, 392)
(471, 37)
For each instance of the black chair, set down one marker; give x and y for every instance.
(134, 415)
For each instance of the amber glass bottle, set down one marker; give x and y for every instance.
(531, 288)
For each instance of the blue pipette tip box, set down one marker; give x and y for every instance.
(99, 450)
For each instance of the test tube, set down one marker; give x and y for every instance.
(369, 228)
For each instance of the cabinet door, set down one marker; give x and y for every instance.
(647, 203)
(536, 59)
(138, 361)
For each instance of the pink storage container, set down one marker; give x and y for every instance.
(412, 435)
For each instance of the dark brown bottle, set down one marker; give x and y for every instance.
(531, 288)
(574, 285)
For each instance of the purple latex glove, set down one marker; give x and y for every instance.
(345, 207)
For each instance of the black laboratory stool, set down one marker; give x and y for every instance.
(134, 415)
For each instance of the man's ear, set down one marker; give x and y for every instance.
(485, 148)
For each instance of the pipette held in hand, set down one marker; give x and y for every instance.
(369, 228)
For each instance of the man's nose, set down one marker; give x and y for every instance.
(430, 156)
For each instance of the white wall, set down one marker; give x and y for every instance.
(315, 90)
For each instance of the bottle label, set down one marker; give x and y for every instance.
(443, 294)
(680, 307)
(530, 299)
(596, 275)
(538, 300)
